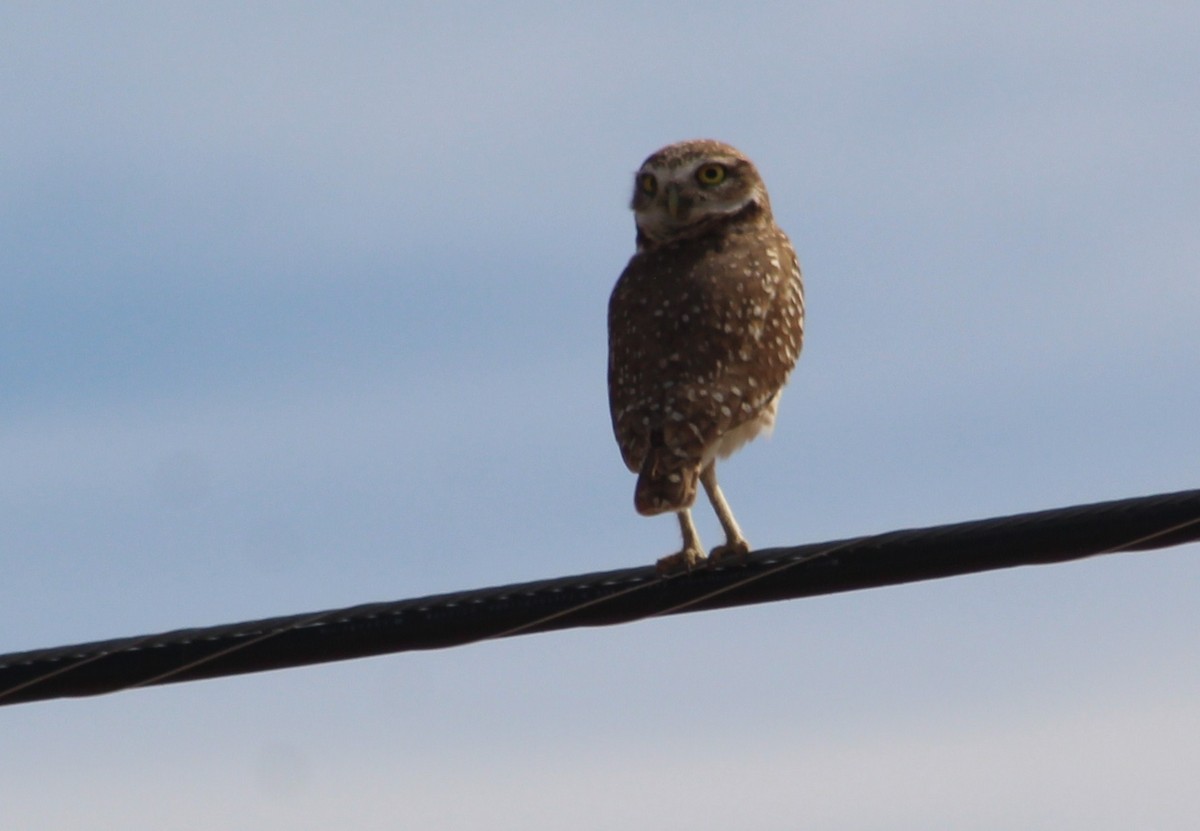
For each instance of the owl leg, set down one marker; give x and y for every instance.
(735, 544)
(692, 553)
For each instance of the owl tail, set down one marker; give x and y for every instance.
(665, 483)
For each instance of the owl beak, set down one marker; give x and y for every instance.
(673, 200)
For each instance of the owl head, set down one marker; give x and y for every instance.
(686, 188)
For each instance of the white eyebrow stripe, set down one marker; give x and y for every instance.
(683, 173)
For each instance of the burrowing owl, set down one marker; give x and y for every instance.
(704, 326)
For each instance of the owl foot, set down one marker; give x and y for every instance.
(685, 560)
(738, 549)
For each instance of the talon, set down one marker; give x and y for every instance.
(739, 549)
(684, 560)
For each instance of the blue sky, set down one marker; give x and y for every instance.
(304, 307)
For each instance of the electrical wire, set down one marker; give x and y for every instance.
(600, 599)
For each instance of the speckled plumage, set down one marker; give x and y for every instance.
(705, 324)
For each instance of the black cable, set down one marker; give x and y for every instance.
(601, 599)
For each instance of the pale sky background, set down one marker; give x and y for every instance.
(303, 306)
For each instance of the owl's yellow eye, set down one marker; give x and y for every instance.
(711, 174)
(647, 184)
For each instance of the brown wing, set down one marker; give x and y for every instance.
(702, 335)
